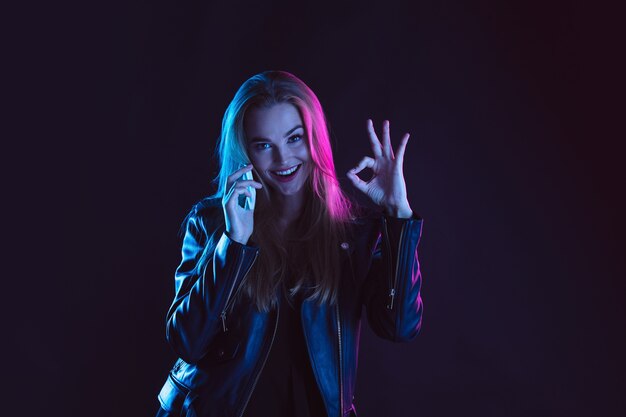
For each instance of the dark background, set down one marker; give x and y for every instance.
(515, 162)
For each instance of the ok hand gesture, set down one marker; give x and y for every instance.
(387, 187)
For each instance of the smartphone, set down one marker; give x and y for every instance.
(245, 201)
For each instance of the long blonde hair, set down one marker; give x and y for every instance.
(312, 259)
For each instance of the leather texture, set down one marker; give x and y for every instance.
(220, 356)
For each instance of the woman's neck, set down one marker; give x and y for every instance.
(288, 210)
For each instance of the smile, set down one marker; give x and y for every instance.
(287, 174)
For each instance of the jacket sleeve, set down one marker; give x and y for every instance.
(204, 283)
(392, 286)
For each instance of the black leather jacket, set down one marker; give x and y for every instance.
(223, 345)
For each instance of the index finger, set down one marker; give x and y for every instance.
(237, 174)
(232, 177)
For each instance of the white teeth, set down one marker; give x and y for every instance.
(288, 171)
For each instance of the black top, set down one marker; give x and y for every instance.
(287, 386)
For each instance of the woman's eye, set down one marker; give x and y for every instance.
(262, 146)
(295, 138)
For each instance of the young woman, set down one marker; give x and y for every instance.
(277, 265)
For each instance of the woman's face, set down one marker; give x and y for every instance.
(277, 147)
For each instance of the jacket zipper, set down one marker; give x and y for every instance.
(256, 378)
(340, 362)
(392, 288)
(393, 282)
(229, 299)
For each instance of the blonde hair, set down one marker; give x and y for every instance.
(313, 258)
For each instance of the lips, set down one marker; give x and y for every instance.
(286, 175)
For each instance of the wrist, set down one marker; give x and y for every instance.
(239, 239)
(399, 212)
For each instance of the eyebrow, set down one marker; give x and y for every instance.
(289, 132)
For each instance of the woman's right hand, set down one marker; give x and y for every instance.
(239, 221)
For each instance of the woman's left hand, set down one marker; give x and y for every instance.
(387, 187)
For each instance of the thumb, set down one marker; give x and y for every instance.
(357, 182)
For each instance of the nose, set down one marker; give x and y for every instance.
(282, 153)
